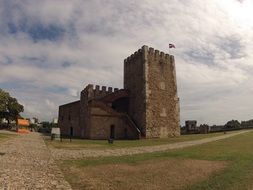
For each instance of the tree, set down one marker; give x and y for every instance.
(9, 107)
(233, 124)
(14, 108)
(3, 101)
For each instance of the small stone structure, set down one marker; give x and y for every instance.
(216, 128)
(191, 126)
(55, 133)
(204, 129)
(148, 106)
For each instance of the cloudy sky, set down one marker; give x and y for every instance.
(50, 49)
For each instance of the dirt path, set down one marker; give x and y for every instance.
(65, 154)
(26, 163)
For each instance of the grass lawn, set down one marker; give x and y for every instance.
(103, 144)
(224, 164)
(5, 136)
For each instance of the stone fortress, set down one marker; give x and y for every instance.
(147, 106)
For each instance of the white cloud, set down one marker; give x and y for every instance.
(213, 55)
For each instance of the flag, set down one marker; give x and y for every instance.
(172, 46)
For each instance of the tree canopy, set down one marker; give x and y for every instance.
(10, 109)
(233, 124)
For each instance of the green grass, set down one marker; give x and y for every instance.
(4, 136)
(103, 144)
(237, 151)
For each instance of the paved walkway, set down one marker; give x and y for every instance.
(65, 154)
(26, 163)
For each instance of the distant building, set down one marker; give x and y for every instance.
(23, 123)
(216, 128)
(247, 124)
(204, 129)
(191, 125)
(55, 120)
(34, 120)
(148, 106)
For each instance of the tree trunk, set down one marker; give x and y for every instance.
(8, 123)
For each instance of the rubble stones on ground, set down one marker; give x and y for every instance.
(28, 164)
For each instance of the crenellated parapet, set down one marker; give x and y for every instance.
(149, 100)
(156, 54)
(135, 55)
(94, 92)
(150, 76)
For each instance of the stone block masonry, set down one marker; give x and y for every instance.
(148, 106)
(150, 76)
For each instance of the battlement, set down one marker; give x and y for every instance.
(151, 52)
(160, 55)
(135, 55)
(149, 100)
(94, 92)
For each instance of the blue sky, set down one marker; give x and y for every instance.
(50, 50)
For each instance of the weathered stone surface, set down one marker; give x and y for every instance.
(152, 106)
(69, 117)
(28, 164)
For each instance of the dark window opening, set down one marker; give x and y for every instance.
(121, 105)
(71, 131)
(125, 133)
(112, 132)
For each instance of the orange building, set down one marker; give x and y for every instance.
(23, 125)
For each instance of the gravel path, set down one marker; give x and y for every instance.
(65, 154)
(26, 163)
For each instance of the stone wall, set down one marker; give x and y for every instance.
(161, 95)
(69, 116)
(191, 125)
(85, 111)
(97, 92)
(154, 105)
(101, 122)
(91, 93)
(134, 81)
(150, 103)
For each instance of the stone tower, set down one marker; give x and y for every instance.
(154, 104)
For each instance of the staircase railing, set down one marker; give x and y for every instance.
(134, 126)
